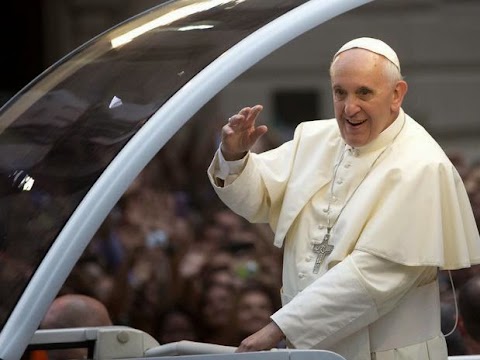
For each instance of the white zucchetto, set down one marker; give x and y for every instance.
(373, 45)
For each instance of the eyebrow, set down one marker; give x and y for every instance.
(364, 88)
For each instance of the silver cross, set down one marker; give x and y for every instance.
(322, 250)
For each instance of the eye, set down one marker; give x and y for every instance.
(364, 91)
(339, 93)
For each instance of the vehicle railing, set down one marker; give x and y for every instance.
(106, 342)
(122, 342)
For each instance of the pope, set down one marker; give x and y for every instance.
(367, 207)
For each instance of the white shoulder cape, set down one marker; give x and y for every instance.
(411, 209)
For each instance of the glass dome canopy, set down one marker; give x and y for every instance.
(74, 139)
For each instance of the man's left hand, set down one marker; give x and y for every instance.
(264, 339)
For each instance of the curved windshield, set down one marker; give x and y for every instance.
(59, 133)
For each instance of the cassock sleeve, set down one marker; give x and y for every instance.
(353, 294)
(227, 170)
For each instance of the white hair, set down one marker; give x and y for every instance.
(392, 72)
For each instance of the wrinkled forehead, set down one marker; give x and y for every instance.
(357, 62)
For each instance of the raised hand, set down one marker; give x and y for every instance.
(241, 133)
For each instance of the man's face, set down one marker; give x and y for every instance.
(366, 100)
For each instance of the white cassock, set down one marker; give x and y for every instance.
(399, 212)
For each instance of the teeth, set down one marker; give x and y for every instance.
(356, 123)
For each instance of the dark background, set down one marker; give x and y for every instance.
(22, 50)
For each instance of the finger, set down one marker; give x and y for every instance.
(231, 120)
(245, 111)
(228, 129)
(238, 120)
(253, 115)
(243, 348)
(245, 118)
(257, 108)
(259, 132)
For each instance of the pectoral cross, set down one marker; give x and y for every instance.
(322, 250)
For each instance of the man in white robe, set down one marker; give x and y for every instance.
(368, 208)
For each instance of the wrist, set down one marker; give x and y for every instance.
(275, 331)
(232, 156)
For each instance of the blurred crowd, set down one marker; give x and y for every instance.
(460, 289)
(173, 261)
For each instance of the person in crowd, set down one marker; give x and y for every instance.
(472, 184)
(255, 304)
(367, 207)
(176, 324)
(147, 281)
(71, 311)
(75, 310)
(469, 308)
(216, 313)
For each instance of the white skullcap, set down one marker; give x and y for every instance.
(373, 45)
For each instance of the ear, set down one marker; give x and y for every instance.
(399, 92)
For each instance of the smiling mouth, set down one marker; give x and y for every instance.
(355, 123)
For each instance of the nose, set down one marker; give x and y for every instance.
(351, 107)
